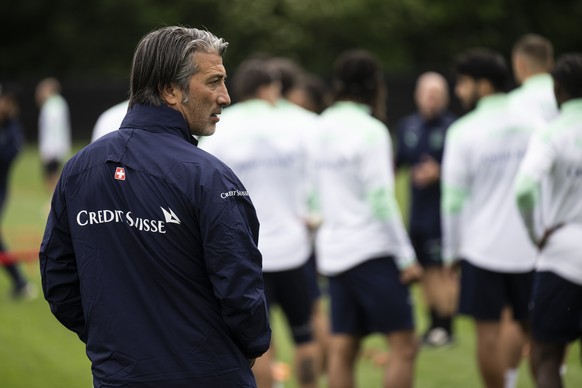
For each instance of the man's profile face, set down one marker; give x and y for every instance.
(206, 96)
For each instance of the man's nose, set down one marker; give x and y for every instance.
(223, 97)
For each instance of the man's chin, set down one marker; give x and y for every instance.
(209, 131)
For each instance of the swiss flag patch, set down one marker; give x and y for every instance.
(120, 173)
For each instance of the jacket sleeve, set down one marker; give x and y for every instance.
(377, 179)
(455, 186)
(536, 164)
(60, 280)
(229, 228)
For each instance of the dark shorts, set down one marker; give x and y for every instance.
(556, 309)
(314, 285)
(428, 249)
(292, 290)
(51, 167)
(485, 293)
(370, 298)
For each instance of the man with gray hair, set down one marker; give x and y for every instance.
(150, 249)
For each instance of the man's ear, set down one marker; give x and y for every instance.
(484, 87)
(520, 68)
(171, 94)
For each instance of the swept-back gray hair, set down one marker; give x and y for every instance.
(164, 57)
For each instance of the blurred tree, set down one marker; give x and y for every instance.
(89, 44)
(97, 37)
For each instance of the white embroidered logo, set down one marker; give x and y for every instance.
(170, 216)
(87, 218)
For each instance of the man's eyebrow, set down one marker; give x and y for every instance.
(217, 75)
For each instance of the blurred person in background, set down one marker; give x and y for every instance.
(362, 245)
(532, 60)
(295, 99)
(54, 130)
(11, 143)
(292, 77)
(481, 225)
(554, 157)
(421, 139)
(110, 120)
(310, 92)
(290, 72)
(268, 151)
(150, 249)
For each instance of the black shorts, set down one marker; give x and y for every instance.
(51, 167)
(428, 249)
(485, 293)
(370, 298)
(293, 291)
(556, 309)
(315, 285)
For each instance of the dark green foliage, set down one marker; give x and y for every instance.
(97, 37)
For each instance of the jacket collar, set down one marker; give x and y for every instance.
(158, 119)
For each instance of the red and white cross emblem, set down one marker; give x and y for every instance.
(120, 173)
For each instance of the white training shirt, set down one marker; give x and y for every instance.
(481, 223)
(110, 120)
(267, 149)
(554, 157)
(54, 136)
(536, 97)
(355, 183)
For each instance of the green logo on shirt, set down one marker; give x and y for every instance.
(410, 139)
(436, 140)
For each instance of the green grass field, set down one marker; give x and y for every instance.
(36, 351)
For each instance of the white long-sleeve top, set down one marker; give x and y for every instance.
(536, 97)
(268, 149)
(481, 222)
(554, 157)
(54, 127)
(355, 183)
(110, 120)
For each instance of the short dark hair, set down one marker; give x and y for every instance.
(289, 72)
(568, 74)
(537, 49)
(164, 57)
(250, 76)
(357, 76)
(316, 89)
(482, 63)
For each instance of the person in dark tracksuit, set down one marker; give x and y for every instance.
(421, 139)
(11, 142)
(150, 249)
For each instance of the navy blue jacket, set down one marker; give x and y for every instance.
(11, 141)
(416, 138)
(150, 256)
